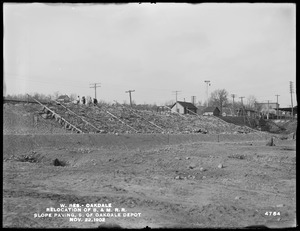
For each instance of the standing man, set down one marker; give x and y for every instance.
(95, 101)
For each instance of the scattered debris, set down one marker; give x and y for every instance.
(57, 162)
(45, 116)
(201, 131)
(288, 149)
(31, 158)
(237, 156)
(283, 138)
(192, 165)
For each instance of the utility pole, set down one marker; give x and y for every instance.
(193, 99)
(176, 92)
(129, 91)
(291, 91)
(268, 110)
(95, 86)
(207, 82)
(242, 103)
(233, 96)
(277, 105)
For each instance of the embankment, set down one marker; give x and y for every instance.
(20, 144)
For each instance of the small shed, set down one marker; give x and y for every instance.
(184, 107)
(64, 99)
(209, 111)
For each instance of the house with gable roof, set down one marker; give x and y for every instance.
(64, 99)
(184, 107)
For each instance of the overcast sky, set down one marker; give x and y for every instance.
(154, 49)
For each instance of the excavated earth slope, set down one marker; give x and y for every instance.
(32, 118)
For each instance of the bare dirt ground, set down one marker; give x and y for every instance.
(171, 183)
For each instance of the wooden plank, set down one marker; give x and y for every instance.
(60, 118)
(77, 115)
(142, 117)
(120, 120)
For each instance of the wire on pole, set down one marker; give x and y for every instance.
(95, 86)
(129, 91)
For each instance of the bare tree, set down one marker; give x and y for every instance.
(257, 106)
(169, 103)
(73, 96)
(219, 98)
(199, 103)
(251, 100)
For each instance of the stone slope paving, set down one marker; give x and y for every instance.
(114, 118)
(123, 119)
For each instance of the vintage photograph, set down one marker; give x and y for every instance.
(149, 115)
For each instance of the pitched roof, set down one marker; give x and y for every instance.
(185, 104)
(210, 109)
(287, 108)
(64, 97)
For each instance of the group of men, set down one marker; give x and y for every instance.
(86, 101)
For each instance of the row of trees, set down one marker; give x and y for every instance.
(220, 98)
(45, 98)
(39, 96)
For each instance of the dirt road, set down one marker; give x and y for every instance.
(163, 185)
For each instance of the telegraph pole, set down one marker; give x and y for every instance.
(95, 86)
(233, 96)
(176, 92)
(277, 105)
(129, 91)
(207, 82)
(193, 99)
(242, 103)
(268, 109)
(291, 91)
